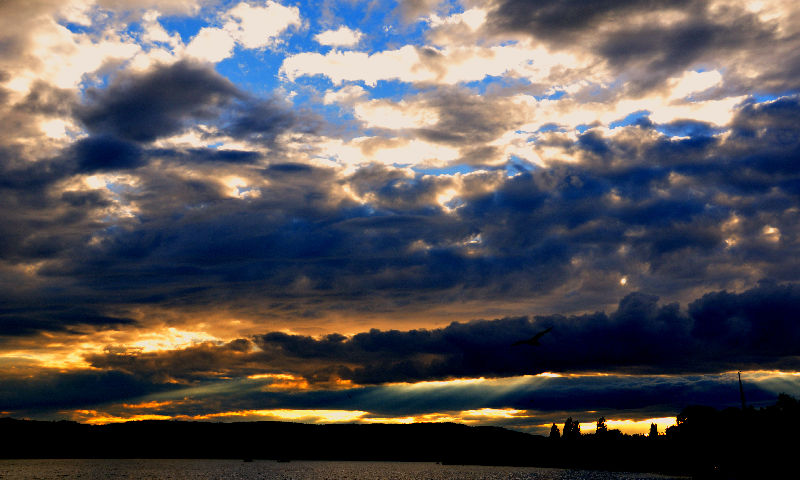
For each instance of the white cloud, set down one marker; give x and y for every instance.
(65, 57)
(412, 153)
(211, 44)
(395, 115)
(342, 37)
(444, 66)
(716, 112)
(694, 82)
(403, 64)
(258, 27)
(251, 27)
(664, 107)
(76, 11)
(396, 151)
(473, 18)
(155, 32)
(345, 95)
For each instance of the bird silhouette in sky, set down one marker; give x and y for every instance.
(534, 340)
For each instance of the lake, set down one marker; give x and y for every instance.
(296, 470)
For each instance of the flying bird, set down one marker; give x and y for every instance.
(534, 340)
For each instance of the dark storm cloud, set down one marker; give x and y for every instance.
(464, 118)
(145, 106)
(205, 155)
(296, 228)
(560, 20)
(47, 99)
(767, 133)
(105, 153)
(663, 52)
(659, 210)
(142, 107)
(27, 318)
(761, 155)
(262, 121)
(647, 53)
(649, 206)
(755, 329)
(38, 221)
(720, 332)
(50, 218)
(650, 396)
(71, 390)
(46, 225)
(200, 362)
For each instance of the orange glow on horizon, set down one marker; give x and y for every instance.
(495, 413)
(62, 361)
(466, 417)
(439, 383)
(281, 381)
(426, 418)
(392, 420)
(154, 405)
(171, 339)
(93, 417)
(276, 376)
(630, 427)
(314, 416)
(765, 373)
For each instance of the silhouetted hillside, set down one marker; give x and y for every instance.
(268, 440)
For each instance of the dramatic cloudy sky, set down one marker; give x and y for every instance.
(348, 210)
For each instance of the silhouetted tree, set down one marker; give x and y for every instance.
(554, 433)
(601, 427)
(787, 405)
(572, 429)
(653, 431)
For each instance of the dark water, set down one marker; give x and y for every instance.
(237, 469)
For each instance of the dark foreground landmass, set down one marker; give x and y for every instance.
(706, 443)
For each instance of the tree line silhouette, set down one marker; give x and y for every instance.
(734, 443)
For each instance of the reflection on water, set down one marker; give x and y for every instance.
(233, 469)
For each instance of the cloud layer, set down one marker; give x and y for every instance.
(719, 332)
(198, 194)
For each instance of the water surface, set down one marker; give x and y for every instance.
(265, 469)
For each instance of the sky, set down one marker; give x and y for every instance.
(349, 210)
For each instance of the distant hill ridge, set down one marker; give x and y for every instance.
(266, 440)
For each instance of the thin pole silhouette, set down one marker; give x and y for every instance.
(741, 391)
